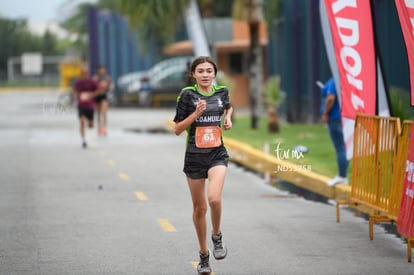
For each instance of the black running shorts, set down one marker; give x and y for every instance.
(196, 165)
(88, 113)
(99, 98)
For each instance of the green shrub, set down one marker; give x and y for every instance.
(274, 96)
(400, 104)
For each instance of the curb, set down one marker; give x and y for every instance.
(257, 160)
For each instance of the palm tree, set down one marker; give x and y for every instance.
(254, 16)
(274, 97)
(75, 20)
(156, 20)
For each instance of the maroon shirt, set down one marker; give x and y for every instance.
(88, 86)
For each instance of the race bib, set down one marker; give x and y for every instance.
(208, 136)
(83, 97)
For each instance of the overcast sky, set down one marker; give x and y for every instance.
(38, 11)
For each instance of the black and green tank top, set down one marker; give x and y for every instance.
(208, 122)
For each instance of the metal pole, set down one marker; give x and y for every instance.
(10, 72)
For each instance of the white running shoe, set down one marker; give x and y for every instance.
(220, 249)
(203, 267)
(336, 180)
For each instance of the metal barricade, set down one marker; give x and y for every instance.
(399, 170)
(375, 144)
(397, 184)
(378, 168)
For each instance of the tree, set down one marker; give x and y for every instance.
(252, 11)
(156, 20)
(254, 15)
(274, 96)
(49, 45)
(15, 40)
(147, 15)
(77, 21)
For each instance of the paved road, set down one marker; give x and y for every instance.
(122, 206)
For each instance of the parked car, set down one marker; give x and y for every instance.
(167, 77)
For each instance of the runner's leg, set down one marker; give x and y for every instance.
(216, 176)
(82, 120)
(104, 110)
(98, 115)
(90, 123)
(197, 190)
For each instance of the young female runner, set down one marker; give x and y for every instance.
(105, 83)
(203, 110)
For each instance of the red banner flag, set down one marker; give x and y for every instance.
(405, 222)
(352, 35)
(405, 10)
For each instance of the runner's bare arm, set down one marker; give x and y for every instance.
(227, 119)
(180, 126)
(99, 91)
(330, 99)
(103, 86)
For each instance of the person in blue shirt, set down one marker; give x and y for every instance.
(331, 115)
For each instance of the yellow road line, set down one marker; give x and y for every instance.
(195, 264)
(123, 176)
(111, 162)
(141, 196)
(166, 225)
